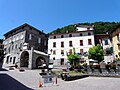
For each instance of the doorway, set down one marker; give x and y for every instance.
(24, 59)
(62, 61)
(40, 61)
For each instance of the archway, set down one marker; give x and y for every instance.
(40, 61)
(24, 60)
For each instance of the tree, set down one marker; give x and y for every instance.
(96, 53)
(73, 59)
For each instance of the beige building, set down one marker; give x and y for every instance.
(116, 41)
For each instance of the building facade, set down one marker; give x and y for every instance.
(25, 46)
(116, 41)
(61, 45)
(1, 50)
(105, 41)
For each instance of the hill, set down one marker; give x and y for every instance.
(99, 27)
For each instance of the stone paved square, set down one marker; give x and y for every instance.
(30, 79)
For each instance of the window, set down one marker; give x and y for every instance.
(14, 38)
(20, 45)
(70, 43)
(30, 36)
(106, 42)
(22, 36)
(9, 49)
(17, 38)
(14, 60)
(54, 44)
(62, 52)
(70, 51)
(54, 37)
(39, 40)
(54, 52)
(81, 34)
(45, 42)
(16, 46)
(7, 61)
(10, 41)
(62, 36)
(81, 51)
(53, 58)
(89, 33)
(70, 35)
(89, 42)
(62, 44)
(12, 47)
(10, 59)
(81, 42)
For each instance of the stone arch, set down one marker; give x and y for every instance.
(24, 59)
(40, 61)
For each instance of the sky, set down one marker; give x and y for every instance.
(48, 15)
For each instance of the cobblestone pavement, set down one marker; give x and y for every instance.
(29, 79)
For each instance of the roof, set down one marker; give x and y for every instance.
(21, 27)
(101, 36)
(115, 29)
(84, 26)
(70, 32)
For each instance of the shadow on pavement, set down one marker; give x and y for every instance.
(2, 69)
(9, 83)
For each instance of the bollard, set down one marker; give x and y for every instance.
(56, 81)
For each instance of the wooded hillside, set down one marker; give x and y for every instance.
(99, 27)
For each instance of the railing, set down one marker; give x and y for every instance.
(115, 71)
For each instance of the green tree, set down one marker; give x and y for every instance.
(96, 53)
(73, 59)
